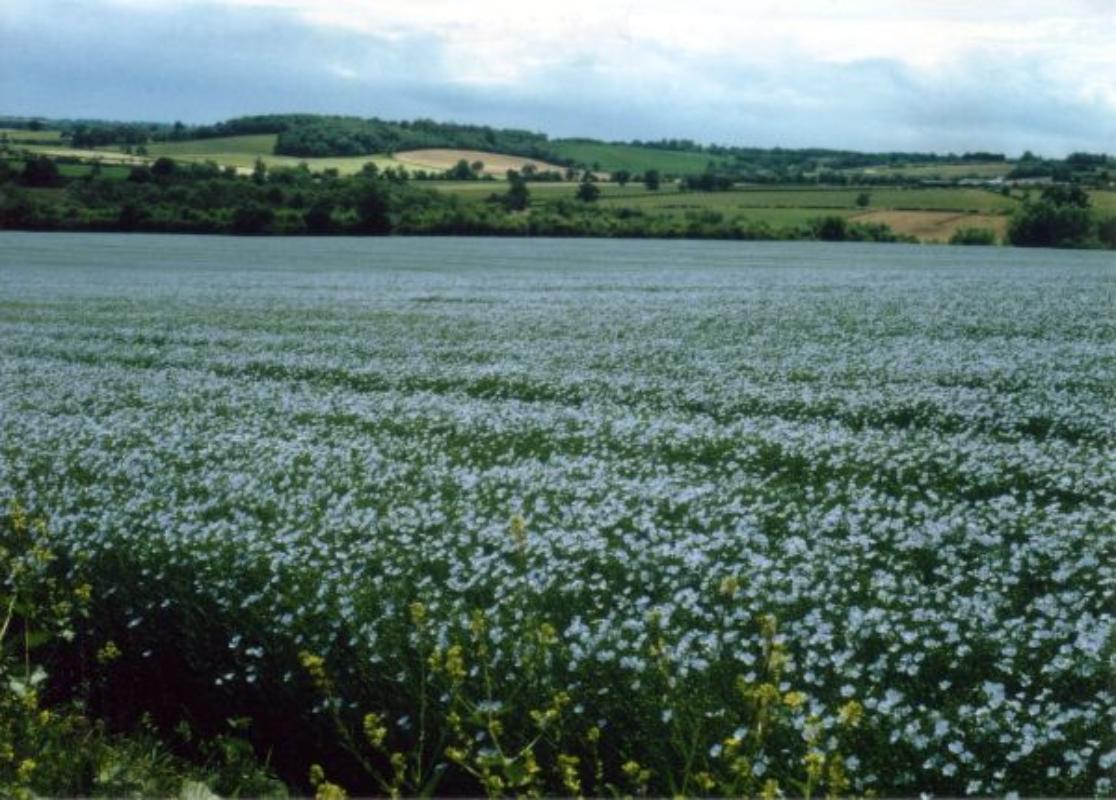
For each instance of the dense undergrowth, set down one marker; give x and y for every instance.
(55, 670)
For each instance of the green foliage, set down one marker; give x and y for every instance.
(587, 189)
(518, 197)
(252, 220)
(164, 168)
(40, 172)
(863, 199)
(831, 229)
(319, 218)
(1106, 232)
(973, 236)
(372, 208)
(1064, 195)
(651, 179)
(461, 171)
(202, 198)
(102, 134)
(318, 136)
(57, 749)
(708, 181)
(1061, 218)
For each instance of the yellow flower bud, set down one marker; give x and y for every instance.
(850, 714)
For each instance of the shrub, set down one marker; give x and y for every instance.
(1106, 232)
(41, 172)
(973, 236)
(1048, 223)
(831, 229)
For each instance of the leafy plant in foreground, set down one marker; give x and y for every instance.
(523, 735)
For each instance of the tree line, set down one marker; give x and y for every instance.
(204, 198)
(168, 196)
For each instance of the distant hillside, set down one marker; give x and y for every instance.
(316, 137)
(348, 142)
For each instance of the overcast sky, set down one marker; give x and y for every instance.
(939, 75)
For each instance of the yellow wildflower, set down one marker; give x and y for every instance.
(374, 729)
(548, 634)
(850, 714)
(635, 773)
(766, 694)
(477, 624)
(108, 653)
(494, 783)
(794, 700)
(398, 766)
(315, 668)
(24, 770)
(518, 529)
(455, 663)
(571, 780)
(815, 762)
(456, 754)
(330, 791)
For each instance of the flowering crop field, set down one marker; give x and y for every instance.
(327, 479)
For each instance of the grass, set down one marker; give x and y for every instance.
(930, 214)
(1104, 201)
(19, 136)
(612, 157)
(945, 199)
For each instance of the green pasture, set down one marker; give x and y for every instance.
(117, 171)
(949, 199)
(781, 206)
(20, 136)
(612, 157)
(1104, 201)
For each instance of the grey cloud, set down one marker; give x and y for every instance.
(203, 64)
